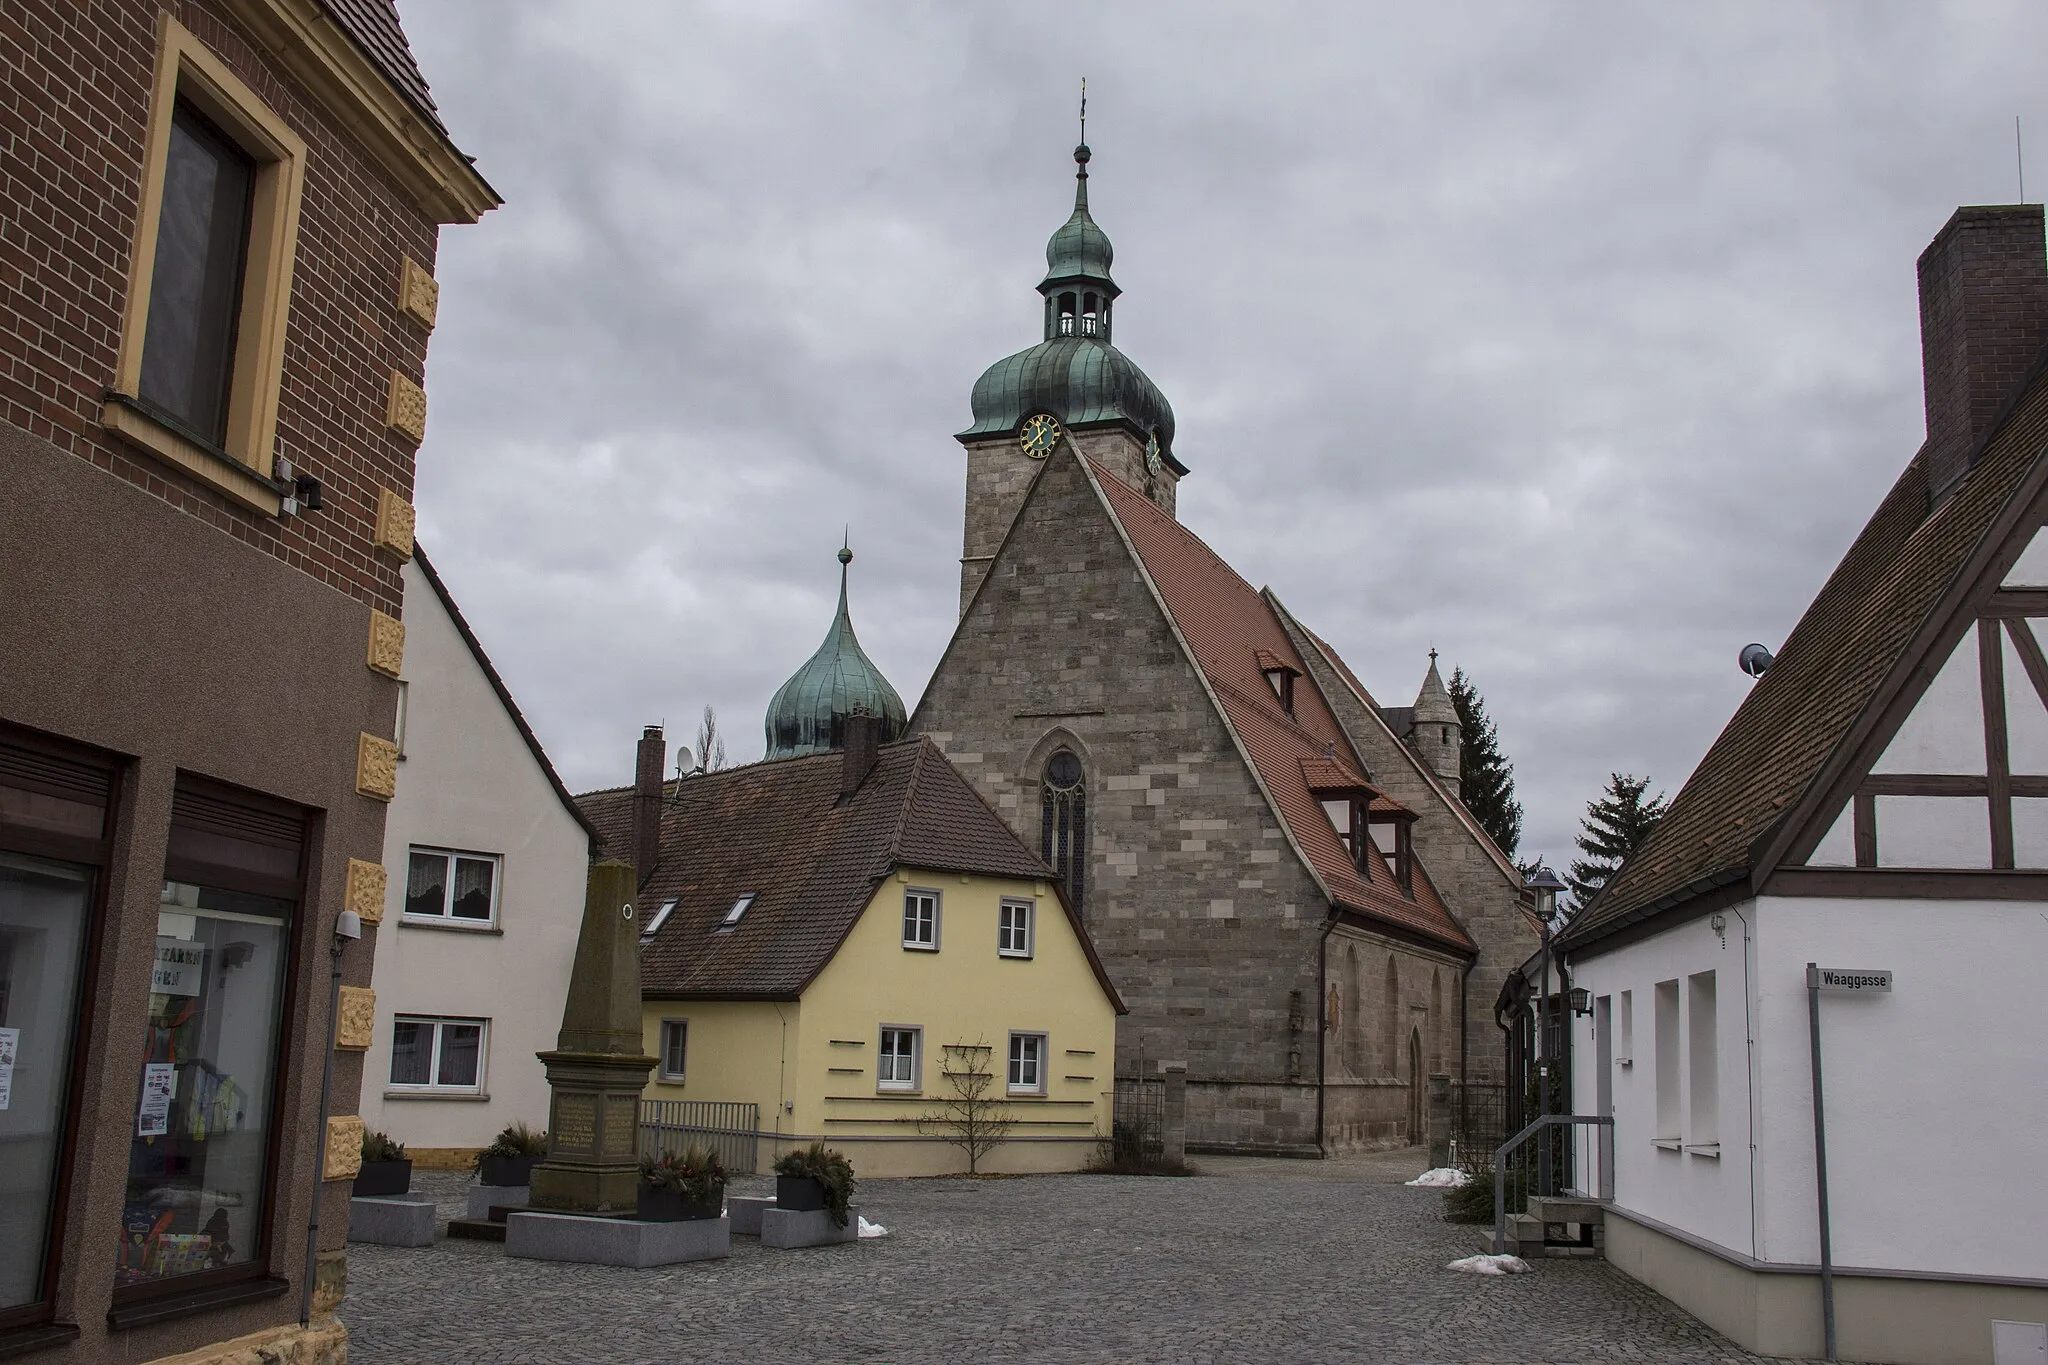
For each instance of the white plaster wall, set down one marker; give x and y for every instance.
(1937, 1095)
(1706, 1196)
(1933, 831)
(2032, 569)
(2026, 720)
(468, 781)
(1945, 733)
(1837, 847)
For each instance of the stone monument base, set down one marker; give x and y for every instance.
(615, 1241)
(788, 1228)
(394, 1221)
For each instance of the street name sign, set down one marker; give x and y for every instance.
(1850, 980)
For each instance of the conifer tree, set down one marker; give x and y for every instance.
(1486, 780)
(1616, 826)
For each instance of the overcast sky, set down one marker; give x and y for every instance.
(1576, 341)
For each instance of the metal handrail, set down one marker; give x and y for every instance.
(1603, 1122)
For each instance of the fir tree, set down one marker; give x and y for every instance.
(1616, 826)
(1486, 780)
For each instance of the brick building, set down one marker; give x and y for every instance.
(1277, 871)
(218, 222)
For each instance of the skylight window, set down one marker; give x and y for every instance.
(739, 907)
(659, 918)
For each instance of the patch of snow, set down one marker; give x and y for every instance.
(1490, 1265)
(868, 1229)
(1442, 1178)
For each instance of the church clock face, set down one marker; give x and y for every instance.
(1152, 452)
(1040, 434)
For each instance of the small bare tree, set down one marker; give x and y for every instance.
(710, 744)
(970, 1115)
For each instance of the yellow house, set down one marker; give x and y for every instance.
(850, 940)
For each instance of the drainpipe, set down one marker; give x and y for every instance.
(1464, 1017)
(1322, 1017)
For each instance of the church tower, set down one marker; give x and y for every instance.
(1072, 386)
(1436, 734)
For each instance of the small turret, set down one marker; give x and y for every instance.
(810, 711)
(1436, 735)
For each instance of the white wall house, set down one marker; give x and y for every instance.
(488, 858)
(1879, 801)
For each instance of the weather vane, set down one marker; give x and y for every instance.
(1084, 111)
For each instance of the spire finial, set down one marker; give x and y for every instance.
(846, 545)
(1084, 112)
(1081, 152)
(1432, 656)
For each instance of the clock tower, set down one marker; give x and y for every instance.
(1073, 386)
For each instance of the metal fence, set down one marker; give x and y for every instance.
(1138, 1116)
(731, 1130)
(1478, 1123)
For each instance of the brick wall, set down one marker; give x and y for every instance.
(74, 107)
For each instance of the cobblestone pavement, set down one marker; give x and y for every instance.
(1255, 1261)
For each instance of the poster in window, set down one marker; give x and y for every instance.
(180, 967)
(159, 1082)
(10, 1043)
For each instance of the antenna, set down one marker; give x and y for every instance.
(2020, 155)
(1084, 112)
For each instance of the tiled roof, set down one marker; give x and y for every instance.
(374, 27)
(1229, 626)
(779, 831)
(1831, 668)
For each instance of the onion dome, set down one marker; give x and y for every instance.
(808, 715)
(1074, 374)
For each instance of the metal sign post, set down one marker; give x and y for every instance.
(1833, 981)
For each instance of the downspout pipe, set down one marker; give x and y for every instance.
(1464, 1035)
(1322, 1018)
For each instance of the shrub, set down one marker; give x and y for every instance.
(829, 1168)
(1115, 1158)
(516, 1139)
(697, 1175)
(382, 1147)
(1472, 1202)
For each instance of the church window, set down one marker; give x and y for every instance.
(1063, 823)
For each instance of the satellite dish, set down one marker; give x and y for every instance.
(1756, 660)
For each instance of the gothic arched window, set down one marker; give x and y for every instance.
(1063, 823)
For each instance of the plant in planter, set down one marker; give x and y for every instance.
(512, 1155)
(385, 1169)
(675, 1189)
(815, 1177)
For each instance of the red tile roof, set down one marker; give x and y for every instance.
(1229, 628)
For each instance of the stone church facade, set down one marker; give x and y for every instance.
(1276, 871)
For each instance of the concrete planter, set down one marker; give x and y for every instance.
(615, 1241)
(382, 1179)
(799, 1193)
(673, 1206)
(513, 1171)
(788, 1228)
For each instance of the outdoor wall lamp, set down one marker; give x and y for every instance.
(1581, 998)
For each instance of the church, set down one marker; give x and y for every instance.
(1277, 871)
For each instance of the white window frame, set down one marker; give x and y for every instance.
(447, 916)
(916, 1081)
(1014, 1063)
(434, 1087)
(1005, 928)
(668, 1026)
(657, 919)
(918, 945)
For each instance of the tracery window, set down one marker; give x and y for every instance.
(1063, 823)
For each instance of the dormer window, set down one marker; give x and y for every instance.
(1350, 816)
(732, 916)
(1280, 676)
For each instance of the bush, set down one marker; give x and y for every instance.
(829, 1168)
(697, 1175)
(516, 1139)
(1473, 1202)
(1114, 1158)
(382, 1147)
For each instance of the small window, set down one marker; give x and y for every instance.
(675, 1038)
(732, 916)
(1013, 931)
(1027, 1064)
(896, 1065)
(921, 920)
(437, 1054)
(1703, 1129)
(656, 920)
(460, 888)
(1668, 1119)
(1625, 1045)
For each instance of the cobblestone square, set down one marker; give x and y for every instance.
(1254, 1261)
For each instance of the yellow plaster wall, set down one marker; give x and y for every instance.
(961, 993)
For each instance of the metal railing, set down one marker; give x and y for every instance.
(730, 1129)
(1588, 1170)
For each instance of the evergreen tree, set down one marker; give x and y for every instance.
(1486, 780)
(1616, 826)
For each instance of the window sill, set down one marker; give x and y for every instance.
(128, 418)
(1666, 1144)
(1013, 957)
(460, 1096)
(920, 947)
(454, 926)
(166, 1307)
(1707, 1149)
(19, 1341)
(666, 1079)
(908, 1092)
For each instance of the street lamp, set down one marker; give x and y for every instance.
(348, 927)
(1546, 885)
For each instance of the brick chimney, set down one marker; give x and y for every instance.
(863, 736)
(1983, 317)
(653, 753)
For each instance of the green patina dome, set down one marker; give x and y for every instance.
(809, 712)
(1074, 374)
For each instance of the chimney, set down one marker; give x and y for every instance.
(863, 736)
(1983, 316)
(652, 754)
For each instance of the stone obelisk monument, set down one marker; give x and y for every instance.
(599, 1065)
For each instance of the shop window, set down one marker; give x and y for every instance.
(199, 1166)
(48, 805)
(461, 888)
(437, 1054)
(202, 342)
